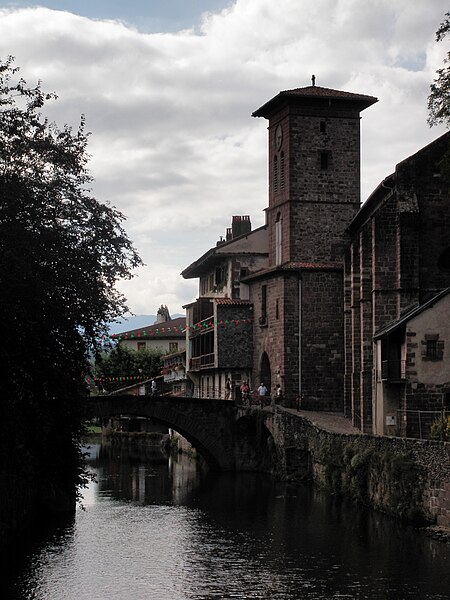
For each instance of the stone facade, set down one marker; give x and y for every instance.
(394, 264)
(219, 332)
(329, 275)
(314, 191)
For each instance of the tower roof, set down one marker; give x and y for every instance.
(315, 95)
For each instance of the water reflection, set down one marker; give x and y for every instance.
(158, 529)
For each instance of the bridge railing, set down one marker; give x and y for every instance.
(235, 395)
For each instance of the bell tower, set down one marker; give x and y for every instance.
(314, 171)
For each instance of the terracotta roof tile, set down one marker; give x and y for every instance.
(231, 301)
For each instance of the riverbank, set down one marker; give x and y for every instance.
(406, 478)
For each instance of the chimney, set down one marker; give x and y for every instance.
(228, 235)
(240, 225)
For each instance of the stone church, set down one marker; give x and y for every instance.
(301, 301)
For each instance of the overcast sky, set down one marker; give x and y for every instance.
(168, 88)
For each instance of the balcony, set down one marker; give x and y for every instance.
(205, 361)
(201, 327)
(393, 371)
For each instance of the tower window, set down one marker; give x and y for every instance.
(275, 174)
(325, 160)
(278, 239)
(282, 170)
(323, 126)
(263, 317)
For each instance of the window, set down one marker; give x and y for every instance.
(220, 275)
(444, 260)
(277, 309)
(173, 346)
(141, 345)
(431, 351)
(323, 127)
(282, 170)
(278, 239)
(446, 400)
(275, 174)
(263, 317)
(324, 161)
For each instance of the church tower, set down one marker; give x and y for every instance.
(314, 171)
(314, 192)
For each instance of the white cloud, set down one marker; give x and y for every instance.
(174, 146)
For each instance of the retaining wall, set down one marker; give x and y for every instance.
(407, 478)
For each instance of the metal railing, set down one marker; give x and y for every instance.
(424, 424)
(252, 398)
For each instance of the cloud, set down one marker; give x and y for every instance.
(173, 144)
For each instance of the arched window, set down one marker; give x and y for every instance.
(275, 174)
(278, 239)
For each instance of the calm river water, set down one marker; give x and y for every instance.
(153, 529)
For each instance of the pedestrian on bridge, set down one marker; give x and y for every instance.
(154, 388)
(245, 390)
(262, 391)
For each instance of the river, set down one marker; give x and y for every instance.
(156, 529)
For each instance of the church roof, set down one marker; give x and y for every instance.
(315, 94)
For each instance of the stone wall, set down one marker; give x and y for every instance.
(322, 349)
(406, 478)
(234, 338)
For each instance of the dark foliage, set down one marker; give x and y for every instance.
(61, 253)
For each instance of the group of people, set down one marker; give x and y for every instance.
(263, 393)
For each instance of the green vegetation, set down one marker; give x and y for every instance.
(439, 98)
(124, 362)
(440, 428)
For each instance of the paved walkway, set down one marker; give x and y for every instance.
(330, 421)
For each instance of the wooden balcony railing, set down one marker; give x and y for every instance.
(393, 371)
(206, 361)
(202, 327)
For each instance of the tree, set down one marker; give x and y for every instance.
(61, 254)
(439, 98)
(115, 368)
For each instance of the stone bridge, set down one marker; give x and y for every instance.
(228, 437)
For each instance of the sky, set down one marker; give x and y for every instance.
(168, 88)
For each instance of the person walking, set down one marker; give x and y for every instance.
(262, 391)
(153, 387)
(227, 389)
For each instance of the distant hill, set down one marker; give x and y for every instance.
(136, 322)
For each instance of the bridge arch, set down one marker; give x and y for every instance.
(209, 425)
